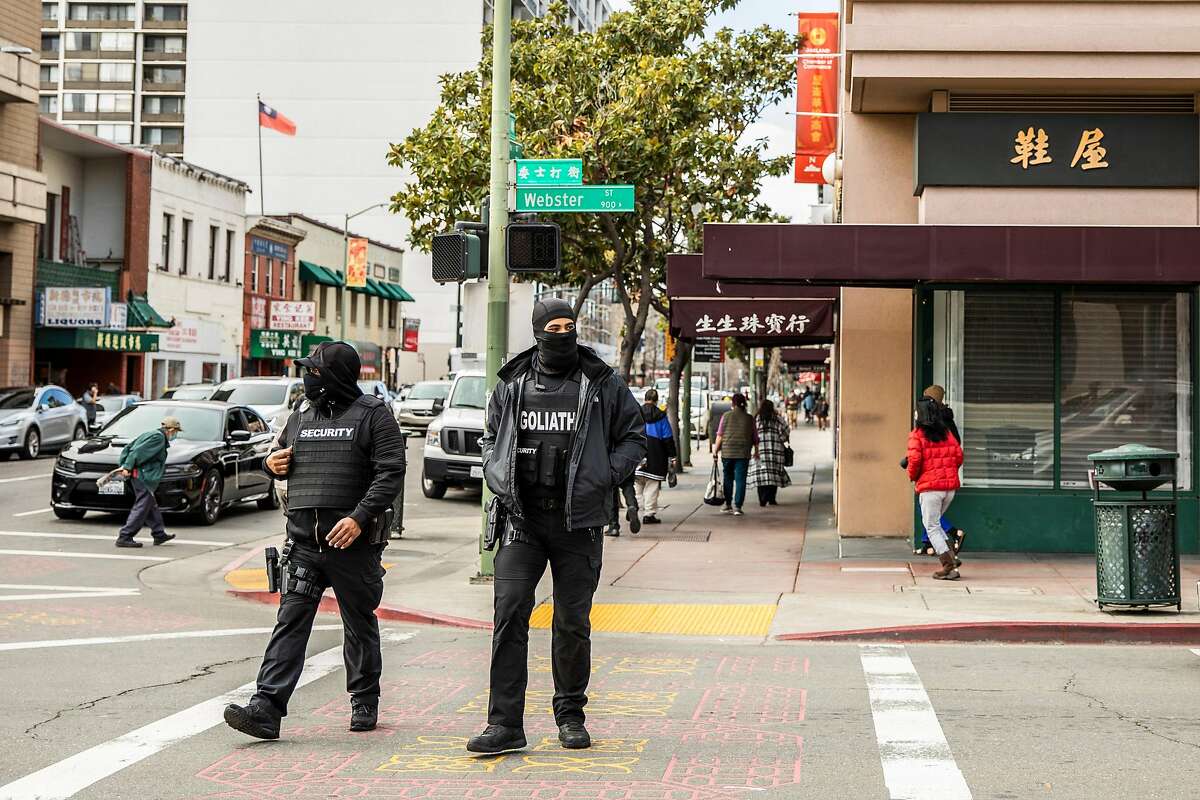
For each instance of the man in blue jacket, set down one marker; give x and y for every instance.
(660, 453)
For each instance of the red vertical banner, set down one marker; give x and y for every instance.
(816, 93)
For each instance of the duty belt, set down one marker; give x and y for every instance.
(545, 503)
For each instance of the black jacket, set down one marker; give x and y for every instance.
(381, 443)
(607, 446)
(948, 421)
(660, 443)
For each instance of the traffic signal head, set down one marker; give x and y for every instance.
(456, 257)
(532, 247)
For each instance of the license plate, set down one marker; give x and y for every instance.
(477, 472)
(114, 486)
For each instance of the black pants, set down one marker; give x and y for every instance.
(766, 494)
(356, 576)
(575, 566)
(144, 512)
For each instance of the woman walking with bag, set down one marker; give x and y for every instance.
(768, 472)
(934, 456)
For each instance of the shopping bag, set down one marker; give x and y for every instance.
(714, 493)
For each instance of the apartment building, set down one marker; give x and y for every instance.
(582, 15)
(22, 187)
(116, 70)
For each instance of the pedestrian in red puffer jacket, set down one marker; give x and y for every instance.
(934, 456)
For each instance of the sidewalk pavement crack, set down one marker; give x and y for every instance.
(204, 671)
(1097, 703)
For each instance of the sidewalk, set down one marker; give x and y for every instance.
(780, 573)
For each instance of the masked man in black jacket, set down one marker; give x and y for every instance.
(343, 458)
(563, 431)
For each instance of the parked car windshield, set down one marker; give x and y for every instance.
(199, 424)
(469, 392)
(428, 391)
(252, 394)
(16, 397)
(190, 393)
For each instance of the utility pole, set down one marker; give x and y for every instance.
(497, 305)
(685, 441)
(345, 289)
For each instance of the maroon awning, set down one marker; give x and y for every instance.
(774, 322)
(685, 280)
(902, 255)
(804, 355)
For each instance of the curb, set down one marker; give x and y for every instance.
(389, 613)
(1017, 632)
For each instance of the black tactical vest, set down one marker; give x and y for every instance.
(549, 407)
(328, 471)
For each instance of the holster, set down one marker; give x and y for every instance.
(497, 521)
(381, 526)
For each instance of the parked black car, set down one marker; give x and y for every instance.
(214, 463)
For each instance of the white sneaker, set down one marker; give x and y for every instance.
(737, 512)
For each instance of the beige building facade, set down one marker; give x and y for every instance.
(1032, 402)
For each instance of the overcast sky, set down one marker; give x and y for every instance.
(783, 194)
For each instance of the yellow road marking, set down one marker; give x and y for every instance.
(672, 618)
(254, 579)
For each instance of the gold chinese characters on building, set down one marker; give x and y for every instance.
(1032, 147)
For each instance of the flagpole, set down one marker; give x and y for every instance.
(262, 200)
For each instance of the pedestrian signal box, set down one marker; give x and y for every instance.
(456, 257)
(532, 247)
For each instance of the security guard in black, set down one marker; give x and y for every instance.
(344, 465)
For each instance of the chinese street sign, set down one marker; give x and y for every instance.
(75, 307)
(616, 198)
(269, 248)
(275, 344)
(816, 94)
(293, 315)
(1087, 150)
(119, 341)
(708, 350)
(356, 263)
(550, 172)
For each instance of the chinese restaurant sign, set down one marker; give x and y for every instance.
(1089, 150)
(816, 94)
(293, 315)
(274, 344)
(74, 307)
(757, 319)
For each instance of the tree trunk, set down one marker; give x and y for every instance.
(683, 351)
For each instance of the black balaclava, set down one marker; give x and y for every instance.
(337, 384)
(557, 353)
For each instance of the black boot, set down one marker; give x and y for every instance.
(497, 739)
(574, 736)
(634, 520)
(363, 716)
(252, 720)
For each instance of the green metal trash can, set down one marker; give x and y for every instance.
(1137, 548)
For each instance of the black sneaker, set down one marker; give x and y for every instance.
(574, 736)
(363, 717)
(164, 539)
(128, 543)
(252, 720)
(650, 519)
(497, 739)
(635, 522)
(612, 530)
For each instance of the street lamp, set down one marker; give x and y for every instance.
(346, 262)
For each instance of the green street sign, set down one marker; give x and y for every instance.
(575, 198)
(275, 344)
(550, 172)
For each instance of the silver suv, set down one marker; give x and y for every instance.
(452, 454)
(273, 398)
(33, 417)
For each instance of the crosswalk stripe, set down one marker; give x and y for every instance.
(916, 758)
(106, 537)
(25, 478)
(60, 554)
(42, 644)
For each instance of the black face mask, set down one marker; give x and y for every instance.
(314, 387)
(557, 352)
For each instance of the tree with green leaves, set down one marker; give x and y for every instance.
(649, 100)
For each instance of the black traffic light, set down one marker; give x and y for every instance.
(532, 247)
(456, 257)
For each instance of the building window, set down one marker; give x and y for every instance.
(212, 252)
(392, 305)
(164, 74)
(165, 13)
(49, 10)
(101, 12)
(50, 42)
(104, 103)
(1103, 368)
(162, 135)
(48, 104)
(394, 274)
(92, 72)
(164, 263)
(120, 134)
(49, 230)
(110, 41)
(322, 304)
(164, 44)
(228, 255)
(283, 279)
(306, 291)
(253, 273)
(366, 311)
(270, 270)
(186, 243)
(162, 105)
(49, 73)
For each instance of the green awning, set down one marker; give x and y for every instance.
(396, 292)
(143, 315)
(315, 273)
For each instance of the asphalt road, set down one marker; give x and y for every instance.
(115, 668)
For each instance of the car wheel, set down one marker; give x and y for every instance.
(434, 490)
(69, 513)
(211, 496)
(271, 501)
(33, 445)
(80, 432)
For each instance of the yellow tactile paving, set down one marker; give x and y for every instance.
(677, 618)
(254, 579)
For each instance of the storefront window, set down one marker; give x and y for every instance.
(1126, 376)
(1123, 376)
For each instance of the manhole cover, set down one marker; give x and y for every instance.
(675, 536)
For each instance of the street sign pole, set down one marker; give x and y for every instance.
(497, 305)
(685, 441)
